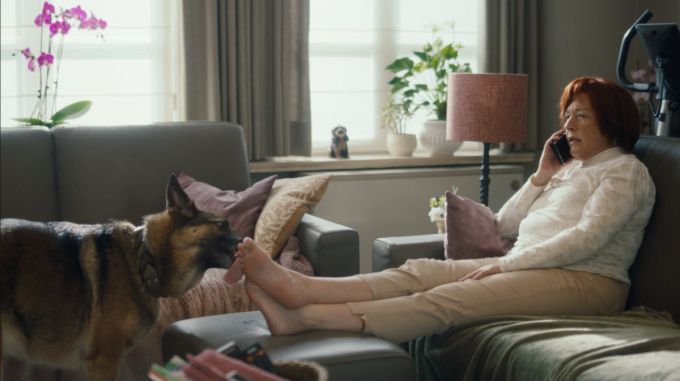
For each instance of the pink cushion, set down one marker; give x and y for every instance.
(471, 230)
(241, 209)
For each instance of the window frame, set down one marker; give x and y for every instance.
(386, 32)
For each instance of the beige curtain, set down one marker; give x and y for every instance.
(247, 62)
(508, 42)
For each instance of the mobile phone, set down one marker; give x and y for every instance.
(560, 148)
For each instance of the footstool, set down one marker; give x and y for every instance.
(347, 356)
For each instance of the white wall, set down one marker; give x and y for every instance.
(395, 203)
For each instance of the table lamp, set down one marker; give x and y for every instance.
(487, 108)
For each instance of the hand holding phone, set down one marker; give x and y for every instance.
(560, 148)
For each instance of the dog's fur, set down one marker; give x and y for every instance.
(339, 143)
(78, 295)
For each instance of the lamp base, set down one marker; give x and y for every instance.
(485, 180)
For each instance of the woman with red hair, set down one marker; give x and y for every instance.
(577, 227)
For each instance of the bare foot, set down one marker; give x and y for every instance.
(285, 287)
(281, 321)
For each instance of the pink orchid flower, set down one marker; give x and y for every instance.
(102, 24)
(47, 19)
(26, 52)
(78, 13)
(45, 59)
(92, 22)
(639, 75)
(640, 97)
(48, 9)
(59, 26)
(54, 28)
(31, 65)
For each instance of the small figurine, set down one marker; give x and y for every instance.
(339, 143)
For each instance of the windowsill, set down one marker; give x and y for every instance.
(380, 161)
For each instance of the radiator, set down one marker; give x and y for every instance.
(395, 202)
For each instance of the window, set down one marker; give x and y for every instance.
(128, 76)
(351, 43)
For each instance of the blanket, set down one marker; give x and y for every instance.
(210, 297)
(640, 344)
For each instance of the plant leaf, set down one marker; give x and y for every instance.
(421, 87)
(29, 121)
(399, 86)
(421, 55)
(435, 61)
(448, 52)
(400, 64)
(394, 81)
(72, 111)
(409, 93)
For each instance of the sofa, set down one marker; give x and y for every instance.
(641, 343)
(93, 174)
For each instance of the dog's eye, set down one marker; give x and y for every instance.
(220, 225)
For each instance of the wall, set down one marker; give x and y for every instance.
(583, 37)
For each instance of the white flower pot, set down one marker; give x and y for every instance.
(433, 138)
(401, 144)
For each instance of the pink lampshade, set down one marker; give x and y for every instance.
(489, 108)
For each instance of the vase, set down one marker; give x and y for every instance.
(433, 138)
(401, 144)
(441, 226)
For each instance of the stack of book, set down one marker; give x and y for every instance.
(227, 363)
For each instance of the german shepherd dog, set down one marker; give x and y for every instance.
(84, 295)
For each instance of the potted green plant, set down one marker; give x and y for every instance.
(423, 84)
(394, 116)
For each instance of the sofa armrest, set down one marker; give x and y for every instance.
(332, 249)
(394, 251)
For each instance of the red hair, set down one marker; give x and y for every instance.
(616, 112)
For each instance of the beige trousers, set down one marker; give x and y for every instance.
(423, 297)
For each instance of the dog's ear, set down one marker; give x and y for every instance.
(334, 130)
(177, 202)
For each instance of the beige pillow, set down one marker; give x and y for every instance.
(288, 201)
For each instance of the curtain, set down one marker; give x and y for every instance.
(247, 62)
(508, 43)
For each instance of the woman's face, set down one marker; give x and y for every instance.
(583, 132)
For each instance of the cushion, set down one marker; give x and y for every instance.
(289, 201)
(241, 209)
(471, 230)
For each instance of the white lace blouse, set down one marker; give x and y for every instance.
(590, 217)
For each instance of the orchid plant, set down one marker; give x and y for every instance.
(58, 24)
(648, 75)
